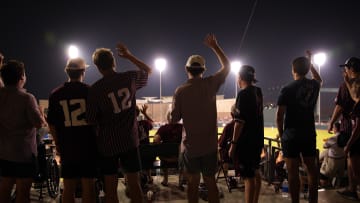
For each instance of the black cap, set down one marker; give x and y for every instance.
(352, 62)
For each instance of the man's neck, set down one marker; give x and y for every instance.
(192, 77)
(75, 80)
(108, 72)
(298, 77)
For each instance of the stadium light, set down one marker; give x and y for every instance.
(319, 60)
(235, 68)
(160, 65)
(73, 51)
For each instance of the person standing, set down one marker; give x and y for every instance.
(195, 103)
(247, 140)
(20, 116)
(111, 106)
(296, 125)
(74, 138)
(352, 142)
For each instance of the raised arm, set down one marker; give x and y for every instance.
(315, 75)
(211, 42)
(143, 110)
(124, 52)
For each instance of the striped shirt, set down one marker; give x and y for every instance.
(66, 112)
(111, 106)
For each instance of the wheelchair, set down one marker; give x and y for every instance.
(48, 170)
(47, 175)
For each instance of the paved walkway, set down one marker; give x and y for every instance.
(173, 194)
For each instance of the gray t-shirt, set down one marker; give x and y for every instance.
(195, 103)
(334, 150)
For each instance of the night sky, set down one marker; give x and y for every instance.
(39, 33)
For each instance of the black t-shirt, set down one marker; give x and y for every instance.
(300, 97)
(249, 108)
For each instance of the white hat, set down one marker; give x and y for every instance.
(195, 61)
(76, 64)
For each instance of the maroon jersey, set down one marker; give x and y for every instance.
(344, 100)
(226, 135)
(111, 107)
(67, 107)
(170, 133)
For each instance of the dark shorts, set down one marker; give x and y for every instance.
(17, 169)
(247, 163)
(355, 148)
(83, 169)
(129, 162)
(207, 164)
(294, 145)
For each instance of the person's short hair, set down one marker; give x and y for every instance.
(12, 72)
(195, 71)
(103, 58)
(301, 65)
(247, 73)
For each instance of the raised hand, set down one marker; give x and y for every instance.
(308, 54)
(144, 109)
(122, 50)
(210, 41)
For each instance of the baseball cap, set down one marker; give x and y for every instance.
(195, 61)
(76, 64)
(352, 62)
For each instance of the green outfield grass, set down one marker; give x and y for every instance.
(271, 133)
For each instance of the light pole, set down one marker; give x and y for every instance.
(319, 60)
(73, 51)
(160, 65)
(235, 68)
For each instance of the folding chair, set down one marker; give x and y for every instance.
(230, 181)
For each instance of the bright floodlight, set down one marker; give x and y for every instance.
(319, 59)
(73, 52)
(160, 64)
(235, 66)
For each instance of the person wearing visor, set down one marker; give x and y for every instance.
(195, 103)
(75, 139)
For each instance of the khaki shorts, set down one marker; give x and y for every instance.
(332, 167)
